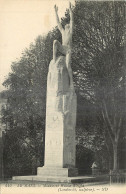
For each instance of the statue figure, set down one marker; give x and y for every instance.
(66, 46)
(60, 87)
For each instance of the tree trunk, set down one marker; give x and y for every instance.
(115, 158)
(110, 162)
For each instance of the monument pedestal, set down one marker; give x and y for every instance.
(57, 172)
(60, 147)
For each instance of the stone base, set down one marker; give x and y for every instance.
(55, 179)
(53, 174)
(57, 172)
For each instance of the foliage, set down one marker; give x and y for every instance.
(84, 159)
(99, 61)
(25, 111)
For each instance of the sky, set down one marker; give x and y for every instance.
(21, 21)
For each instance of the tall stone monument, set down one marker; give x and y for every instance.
(60, 109)
(60, 123)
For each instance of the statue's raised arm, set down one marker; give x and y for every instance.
(57, 19)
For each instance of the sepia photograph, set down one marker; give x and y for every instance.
(62, 96)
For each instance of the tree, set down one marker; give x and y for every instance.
(98, 58)
(26, 104)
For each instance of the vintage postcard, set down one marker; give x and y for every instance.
(62, 96)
